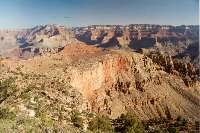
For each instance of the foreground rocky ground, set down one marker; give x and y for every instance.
(87, 89)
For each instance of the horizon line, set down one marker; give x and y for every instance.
(65, 25)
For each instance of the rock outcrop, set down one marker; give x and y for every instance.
(124, 82)
(180, 41)
(26, 43)
(99, 81)
(108, 70)
(186, 70)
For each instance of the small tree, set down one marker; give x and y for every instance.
(5, 113)
(7, 88)
(76, 119)
(100, 123)
(128, 124)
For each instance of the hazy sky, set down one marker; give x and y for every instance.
(28, 13)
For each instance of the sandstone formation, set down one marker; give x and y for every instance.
(112, 78)
(39, 40)
(175, 66)
(117, 81)
(180, 41)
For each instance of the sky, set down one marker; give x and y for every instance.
(29, 13)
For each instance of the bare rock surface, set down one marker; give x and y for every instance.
(112, 82)
(60, 79)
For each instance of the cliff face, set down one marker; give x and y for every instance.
(50, 88)
(123, 82)
(119, 81)
(96, 70)
(35, 41)
(180, 41)
(186, 70)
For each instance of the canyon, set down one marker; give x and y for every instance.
(151, 71)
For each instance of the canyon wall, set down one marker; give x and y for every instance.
(123, 82)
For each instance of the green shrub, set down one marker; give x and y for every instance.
(7, 88)
(128, 124)
(76, 119)
(5, 113)
(181, 123)
(164, 125)
(156, 121)
(167, 113)
(100, 124)
(46, 120)
(173, 129)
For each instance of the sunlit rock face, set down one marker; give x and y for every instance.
(39, 40)
(179, 41)
(120, 81)
(94, 80)
(149, 71)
